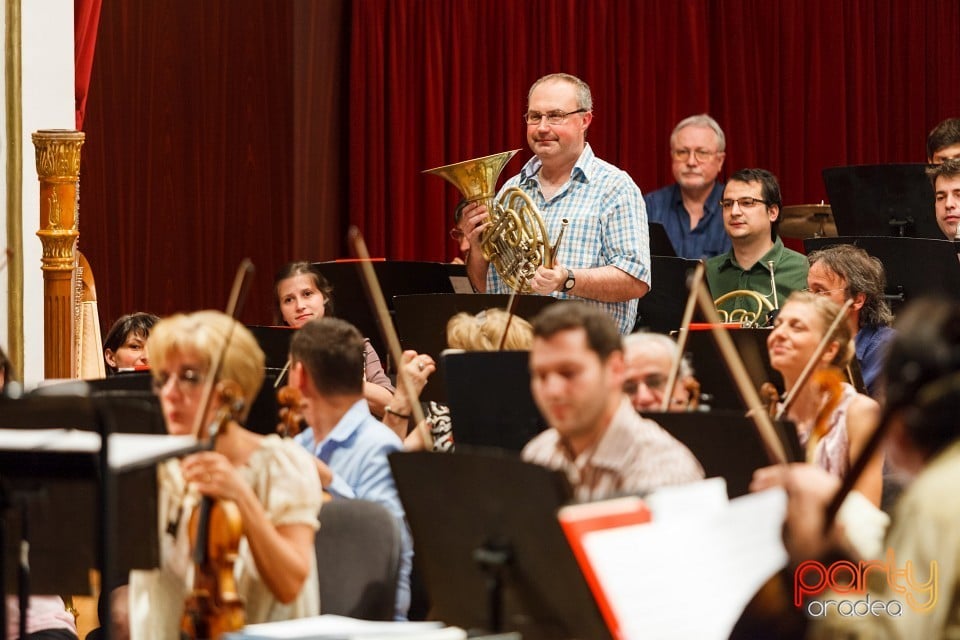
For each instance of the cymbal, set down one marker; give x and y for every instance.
(807, 221)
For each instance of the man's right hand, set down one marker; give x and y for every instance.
(473, 222)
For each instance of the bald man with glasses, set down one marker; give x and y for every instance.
(604, 257)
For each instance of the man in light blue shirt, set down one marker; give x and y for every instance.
(604, 257)
(351, 446)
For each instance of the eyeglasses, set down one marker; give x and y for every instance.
(654, 382)
(553, 118)
(824, 292)
(186, 380)
(699, 155)
(745, 203)
(457, 234)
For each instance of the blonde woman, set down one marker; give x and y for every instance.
(834, 424)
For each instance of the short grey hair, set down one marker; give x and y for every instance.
(700, 120)
(584, 97)
(642, 339)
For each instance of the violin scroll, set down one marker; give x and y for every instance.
(291, 421)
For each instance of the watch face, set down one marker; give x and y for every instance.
(568, 284)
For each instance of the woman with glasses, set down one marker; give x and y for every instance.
(271, 480)
(832, 419)
(301, 294)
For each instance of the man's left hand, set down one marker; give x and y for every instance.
(547, 281)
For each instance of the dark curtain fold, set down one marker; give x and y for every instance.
(86, 20)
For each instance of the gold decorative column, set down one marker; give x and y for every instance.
(58, 168)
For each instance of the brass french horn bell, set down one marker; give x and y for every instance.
(516, 242)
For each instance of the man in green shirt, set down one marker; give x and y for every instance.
(751, 212)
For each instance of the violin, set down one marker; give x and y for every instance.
(215, 607)
(291, 421)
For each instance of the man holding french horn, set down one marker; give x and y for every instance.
(605, 253)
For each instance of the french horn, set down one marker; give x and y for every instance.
(516, 242)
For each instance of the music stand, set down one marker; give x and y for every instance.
(661, 310)
(494, 509)
(421, 321)
(396, 277)
(275, 343)
(136, 386)
(660, 244)
(882, 200)
(38, 456)
(498, 411)
(727, 444)
(711, 369)
(915, 267)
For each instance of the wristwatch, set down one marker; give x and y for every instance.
(570, 282)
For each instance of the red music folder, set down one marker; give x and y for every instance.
(579, 520)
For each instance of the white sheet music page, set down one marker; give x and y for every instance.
(331, 627)
(692, 576)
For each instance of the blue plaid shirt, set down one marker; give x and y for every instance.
(608, 226)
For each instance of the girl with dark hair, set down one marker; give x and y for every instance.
(125, 346)
(302, 293)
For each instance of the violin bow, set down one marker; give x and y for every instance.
(379, 304)
(238, 294)
(694, 285)
(812, 362)
(511, 307)
(749, 395)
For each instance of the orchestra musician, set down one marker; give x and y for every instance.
(833, 421)
(350, 446)
(945, 178)
(596, 438)
(466, 332)
(689, 209)
(943, 141)
(751, 212)
(844, 272)
(125, 346)
(301, 294)
(271, 480)
(649, 358)
(605, 257)
(922, 374)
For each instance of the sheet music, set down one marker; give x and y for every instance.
(461, 284)
(331, 627)
(126, 449)
(690, 577)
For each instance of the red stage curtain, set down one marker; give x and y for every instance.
(86, 19)
(798, 85)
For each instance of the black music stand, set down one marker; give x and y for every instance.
(135, 386)
(396, 278)
(490, 400)
(727, 444)
(275, 343)
(499, 559)
(915, 266)
(421, 321)
(660, 244)
(711, 369)
(661, 310)
(882, 200)
(104, 481)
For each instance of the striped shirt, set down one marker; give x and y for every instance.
(608, 225)
(634, 455)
